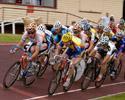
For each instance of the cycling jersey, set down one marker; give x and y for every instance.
(57, 36)
(109, 49)
(75, 48)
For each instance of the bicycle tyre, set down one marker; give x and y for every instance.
(66, 88)
(87, 78)
(54, 83)
(99, 83)
(118, 70)
(5, 84)
(43, 67)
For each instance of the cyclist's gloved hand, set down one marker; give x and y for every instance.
(12, 51)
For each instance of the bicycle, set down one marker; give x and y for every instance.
(21, 68)
(44, 61)
(61, 66)
(112, 70)
(78, 72)
(91, 72)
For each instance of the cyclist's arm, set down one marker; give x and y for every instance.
(106, 59)
(22, 41)
(91, 46)
(109, 53)
(92, 53)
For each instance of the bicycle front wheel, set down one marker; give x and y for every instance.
(87, 78)
(66, 88)
(44, 65)
(54, 83)
(11, 75)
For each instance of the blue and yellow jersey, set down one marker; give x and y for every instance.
(74, 43)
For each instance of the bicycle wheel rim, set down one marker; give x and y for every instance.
(43, 67)
(86, 80)
(66, 88)
(15, 76)
(54, 83)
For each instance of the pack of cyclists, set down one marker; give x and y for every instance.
(81, 37)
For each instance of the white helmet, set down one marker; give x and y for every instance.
(57, 25)
(41, 27)
(107, 29)
(84, 21)
(104, 40)
(120, 34)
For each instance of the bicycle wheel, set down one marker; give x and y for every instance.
(66, 88)
(29, 75)
(11, 75)
(99, 83)
(87, 78)
(44, 65)
(53, 85)
(116, 71)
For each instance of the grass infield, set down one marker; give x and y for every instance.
(9, 38)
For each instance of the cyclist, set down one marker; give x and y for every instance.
(34, 36)
(99, 30)
(92, 36)
(57, 31)
(48, 34)
(107, 48)
(121, 25)
(112, 24)
(75, 47)
(120, 45)
(77, 31)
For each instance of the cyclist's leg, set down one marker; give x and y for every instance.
(76, 58)
(103, 67)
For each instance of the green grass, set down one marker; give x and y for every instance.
(9, 38)
(116, 97)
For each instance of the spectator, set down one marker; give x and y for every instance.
(112, 24)
(104, 20)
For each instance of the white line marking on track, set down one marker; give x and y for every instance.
(71, 91)
(109, 95)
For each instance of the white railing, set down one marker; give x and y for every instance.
(9, 22)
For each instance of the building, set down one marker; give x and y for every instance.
(63, 10)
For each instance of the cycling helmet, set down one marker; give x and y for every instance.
(84, 21)
(67, 37)
(114, 38)
(77, 25)
(121, 22)
(41, 28)
(100, 26)
(104, 40)
(107, 29)
(86, 27)
(57, 25)
(119, 34)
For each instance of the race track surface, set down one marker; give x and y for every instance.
(38, 90)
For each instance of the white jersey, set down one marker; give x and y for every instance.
(38, 39)
(105, 21)
(110, 44)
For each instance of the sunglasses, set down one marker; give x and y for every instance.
(30, 32)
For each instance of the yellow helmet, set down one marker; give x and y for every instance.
(67, 37)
